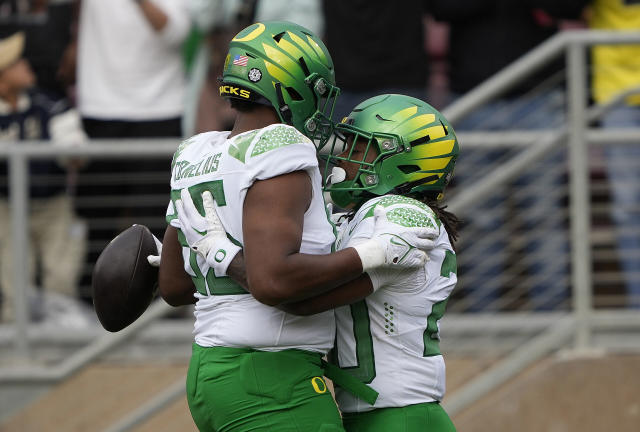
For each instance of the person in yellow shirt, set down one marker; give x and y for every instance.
(616, 70)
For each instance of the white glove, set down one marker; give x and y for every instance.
(384, 276)
(154, 260)
(206, 235)
(394, 245)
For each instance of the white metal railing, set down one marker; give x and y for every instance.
(579, 324)
(18, 155)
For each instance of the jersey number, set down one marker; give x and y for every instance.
(217, 285)
(365, 369)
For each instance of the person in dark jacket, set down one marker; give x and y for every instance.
(377, 47)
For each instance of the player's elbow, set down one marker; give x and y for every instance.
(171, 298)
(269, 291)
(175, 294)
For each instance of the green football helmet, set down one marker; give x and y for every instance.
(406, 147)
(286, 66)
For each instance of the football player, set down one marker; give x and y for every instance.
(254, 366)
(399, 154)
(395, 154)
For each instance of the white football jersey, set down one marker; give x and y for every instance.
(226, 315)
(390, 339)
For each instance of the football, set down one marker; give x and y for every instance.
(123, 282)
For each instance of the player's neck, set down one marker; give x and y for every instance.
(256, 119)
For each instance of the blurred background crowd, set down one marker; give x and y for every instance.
(76, 72)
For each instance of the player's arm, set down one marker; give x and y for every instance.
(273, 218)
(345, 294)
(174, 284)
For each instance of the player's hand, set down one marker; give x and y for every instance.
(206, 235)
(154, 260)
(392, 245)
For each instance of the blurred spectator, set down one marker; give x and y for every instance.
(47, 29)
(130, 67)
(130, 84)
(616, 70)
(486, 36)
(377, 47)
(217, 21)
(57, 237)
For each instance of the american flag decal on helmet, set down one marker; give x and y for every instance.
(240, 60)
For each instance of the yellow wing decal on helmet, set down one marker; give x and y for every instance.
(278, 70)
(304, 46)
(279, 57)
(428, 164)
(421, 121)
(290, 49)
(317, 49)
(253, 33)
(434, 132)
(435, 149)
(404, 114)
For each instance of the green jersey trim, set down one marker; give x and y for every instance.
(277, 137)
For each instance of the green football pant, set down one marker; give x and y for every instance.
(234, 390)
(413, 418)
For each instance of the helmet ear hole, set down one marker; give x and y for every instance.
(408, 169)
(303, 65)
(293, 94)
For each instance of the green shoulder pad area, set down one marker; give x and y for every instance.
(183, 145)
(241, 144)
(279, 136)
(409, 215)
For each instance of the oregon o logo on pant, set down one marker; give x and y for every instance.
(319, 385)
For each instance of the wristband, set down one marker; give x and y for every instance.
(221, 256)
(371, 254)
(376, 280)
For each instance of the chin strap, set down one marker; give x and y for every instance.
(404, 189)
(283, 108)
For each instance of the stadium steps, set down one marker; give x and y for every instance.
(585, 394)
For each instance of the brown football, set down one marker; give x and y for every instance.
(123, 282)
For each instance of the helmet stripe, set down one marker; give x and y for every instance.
(283, 64)
(252, 33)
(280, 58)
(435, 164)
(279, 74)
(290, 49)
(405, 114)
(319, 52)
(303, 45)
(420, 121)
(435, 149)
